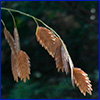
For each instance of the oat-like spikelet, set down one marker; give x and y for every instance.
(52, 44)
(10, 41)
(14, 67)
(16, 40)
(58, 57)
(47, 39)
(82, 81)
(65, 60)
(23, 65)
(57, 49)
(20, 63)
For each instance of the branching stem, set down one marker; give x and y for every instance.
(35, 19)
(12, 18)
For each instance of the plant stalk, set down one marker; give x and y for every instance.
(35, 19)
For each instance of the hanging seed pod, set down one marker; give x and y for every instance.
(82, 81)
(47, 40)
(51, 43)
(20, 63)
(10, 40)
(57, 49)
(14, 67)
(23, 65)
(22, 60)
(16, 37)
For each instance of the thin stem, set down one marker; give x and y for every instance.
(3, 23)
(16, 35)
(48, 27)
(12, 18)
(2, 8)
(35, 19)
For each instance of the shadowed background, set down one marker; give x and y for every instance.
(78, 25)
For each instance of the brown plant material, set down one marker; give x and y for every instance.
(57, 49)
(16, 37)
(48, 40)
(67, 62)
(58, 56)
(13, 53)
(10, 40)
(19, 59)
(58, 59)
(82, 81)
(52, 44)
(23, 64)
(14, 67)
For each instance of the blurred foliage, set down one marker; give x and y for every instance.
(78, 25)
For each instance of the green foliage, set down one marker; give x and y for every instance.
(37, 89)
(22, 90)
(97, 75)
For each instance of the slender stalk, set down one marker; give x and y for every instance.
(12, 18)
(48, 27)
(2, 8)
(3, 23)
(16, 35)
(35, 19)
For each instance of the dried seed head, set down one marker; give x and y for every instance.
(57, 49)
(82, 81)
(23, 65)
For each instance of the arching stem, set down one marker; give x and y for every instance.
(3, 23)
(35, 19)
(38, 20)
(16, 35)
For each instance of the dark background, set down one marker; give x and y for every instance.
(78, 25)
